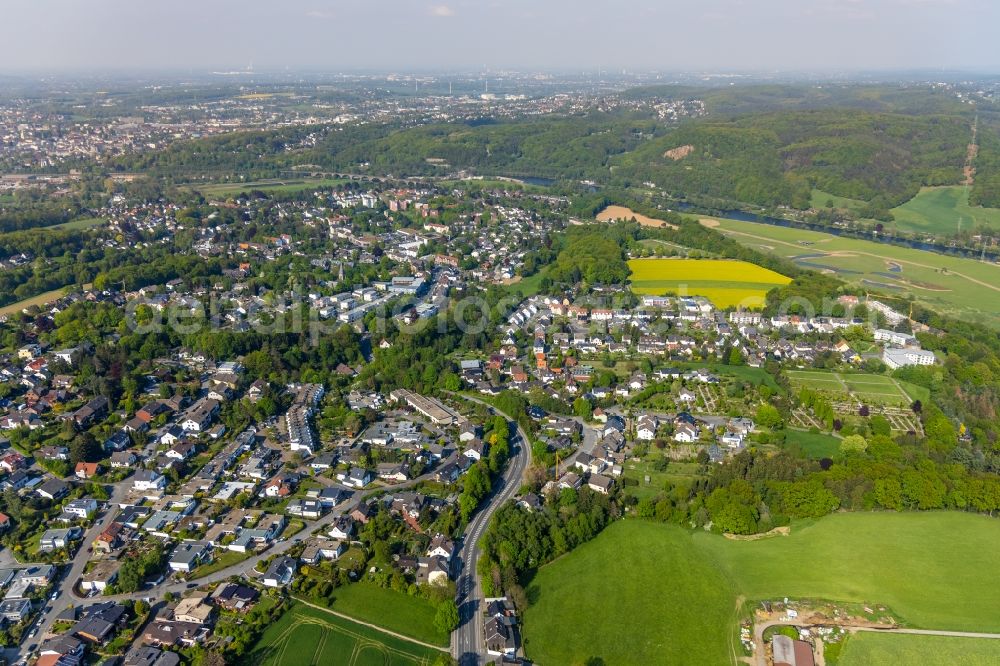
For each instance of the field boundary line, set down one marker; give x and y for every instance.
(383, 630)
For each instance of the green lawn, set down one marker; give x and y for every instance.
(755, 376)
(938, 210)
(640, 593)
(965, 288)
(676, 473)
(306, 635)
(528, 286)
(225, 559)
(868, 649)
(933, 570)
(813, 445)
(410, 616)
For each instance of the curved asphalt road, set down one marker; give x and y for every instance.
(467, 644)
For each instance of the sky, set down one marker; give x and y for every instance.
(467, 35)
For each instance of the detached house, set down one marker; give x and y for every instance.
(280, 572)
(441, 546)
(85, 470)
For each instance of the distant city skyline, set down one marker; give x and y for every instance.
(566, 35)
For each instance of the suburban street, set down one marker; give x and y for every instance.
(467, 640)
(244, 569)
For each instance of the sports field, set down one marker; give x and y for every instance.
(307, 635)
(964, 288)
(943, 211)
(725, 283)
(682, 589)
(870, 649)
(863, 387)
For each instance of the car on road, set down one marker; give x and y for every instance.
(33, 633)
(31, 648)
(190, 585)
(55, 595)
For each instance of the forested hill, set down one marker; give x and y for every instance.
(759, 145)
(776, 158)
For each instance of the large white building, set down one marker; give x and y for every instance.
(895, 338)
(898, 358)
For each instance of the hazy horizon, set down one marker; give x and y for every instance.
(563, 35)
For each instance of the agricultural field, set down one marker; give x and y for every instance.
(939, 211)
(684, 588)
(396, 611)
(964, 288)
(871, 649)
(306, 635)
(276, 186)
(725, 283)
(39, 300)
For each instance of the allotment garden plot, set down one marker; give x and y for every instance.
(848, 392)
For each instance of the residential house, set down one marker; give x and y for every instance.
(86, 470)
(189, 554)
(59, 539)
(79, 509)
(280, 572)
(235, 597)
(53, 489)
(441, 546)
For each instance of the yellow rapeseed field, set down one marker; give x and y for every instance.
(725, 283)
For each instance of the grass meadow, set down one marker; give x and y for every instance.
(682, 589)
(402, 613)
(965, 288)
(815, 445)
(870, 649)
(941, 210)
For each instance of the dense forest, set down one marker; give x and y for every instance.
(569, 148)
(776, 158)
